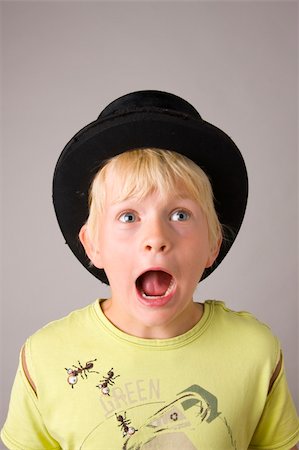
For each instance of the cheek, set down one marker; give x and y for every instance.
(114, 257)
(101, 249)
(200, 254)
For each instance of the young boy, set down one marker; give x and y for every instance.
(149, 368)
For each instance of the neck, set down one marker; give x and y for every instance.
(187, 320)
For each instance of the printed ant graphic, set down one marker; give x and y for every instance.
(108, 380)
(124, 424)
(74, 373)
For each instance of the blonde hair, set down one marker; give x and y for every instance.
(142, 171)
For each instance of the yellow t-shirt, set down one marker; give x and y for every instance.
(98, 388)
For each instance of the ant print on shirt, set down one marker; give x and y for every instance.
(74, 372)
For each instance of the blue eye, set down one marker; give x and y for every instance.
(180, 216)
(127, 217)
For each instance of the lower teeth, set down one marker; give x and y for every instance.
(169, 289)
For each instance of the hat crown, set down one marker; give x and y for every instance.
(149, 100)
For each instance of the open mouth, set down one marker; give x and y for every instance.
(155, 284)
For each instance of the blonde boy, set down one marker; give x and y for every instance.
(151, 209)
(150, 368)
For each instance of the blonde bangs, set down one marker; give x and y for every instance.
(140, 172)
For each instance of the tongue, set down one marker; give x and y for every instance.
(154, 283)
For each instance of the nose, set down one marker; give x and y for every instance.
(156, 237)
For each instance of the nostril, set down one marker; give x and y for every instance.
(162, 248)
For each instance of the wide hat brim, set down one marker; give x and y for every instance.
(141, 120)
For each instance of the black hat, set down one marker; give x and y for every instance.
(146, 119)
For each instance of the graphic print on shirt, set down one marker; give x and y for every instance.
(125, 425)
(108, 380)
(75, 371)
(190, 421)
(175, 426)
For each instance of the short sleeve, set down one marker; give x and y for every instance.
(278, 428)
(24, 427)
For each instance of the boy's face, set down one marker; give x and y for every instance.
(154, 252)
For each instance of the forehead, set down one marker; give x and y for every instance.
(120, 187)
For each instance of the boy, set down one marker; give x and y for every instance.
(149, 368)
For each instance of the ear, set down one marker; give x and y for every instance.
(214, 253)
(89, 246)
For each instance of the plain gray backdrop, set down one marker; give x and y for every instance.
(63, 62)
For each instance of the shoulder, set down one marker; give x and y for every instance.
(241, 321)
(61, 331)
(49, 354)
(59, 345)
(243, 331)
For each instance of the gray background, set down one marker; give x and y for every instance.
(62, 62)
